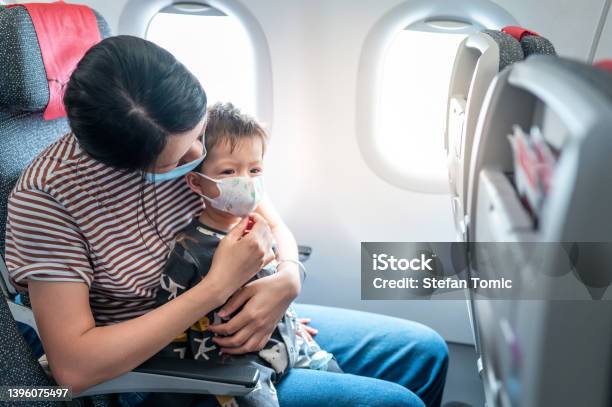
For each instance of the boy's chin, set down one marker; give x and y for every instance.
(226, 215)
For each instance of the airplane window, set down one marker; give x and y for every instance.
(214, 46)
(412, 99)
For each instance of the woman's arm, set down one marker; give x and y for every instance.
(82, 355)
(265, 300)
(286, 246)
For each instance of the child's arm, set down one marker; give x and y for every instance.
(286, 246)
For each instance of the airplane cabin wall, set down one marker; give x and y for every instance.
(604, 50)
(569, 24)
(315, 172)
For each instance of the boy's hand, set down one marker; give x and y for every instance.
(311, 330)
(238, 258)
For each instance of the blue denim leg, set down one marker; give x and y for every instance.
(388, 362)
(29, 334)
(131, 399)
(31, 338)
(376, 346)
(317, 388)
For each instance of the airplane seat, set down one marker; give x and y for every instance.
(532, 43)
(510, 50)
(24, 94)
(537, 45)
(17, 363)
(479, 58)
(539, 203)
(25, 101)
(605, 64)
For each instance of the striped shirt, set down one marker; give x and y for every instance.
(72, 218)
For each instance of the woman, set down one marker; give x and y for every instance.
(89, 228)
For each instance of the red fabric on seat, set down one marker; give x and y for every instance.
(518, 32)
(605, 64)
(65, 32)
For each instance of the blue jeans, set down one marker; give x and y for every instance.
(387, 362)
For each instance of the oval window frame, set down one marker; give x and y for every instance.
(482, 13)
(137, 15)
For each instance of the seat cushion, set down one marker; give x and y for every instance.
(23, 136)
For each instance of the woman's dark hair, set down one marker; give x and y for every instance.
(126, 96)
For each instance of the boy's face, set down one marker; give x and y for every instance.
(221, 162)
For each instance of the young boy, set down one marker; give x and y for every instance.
(231, 181)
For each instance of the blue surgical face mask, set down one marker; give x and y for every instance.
(175, 173)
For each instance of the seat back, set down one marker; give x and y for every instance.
(479, 58)
(24, 93)
(541, 353)
(18, 366)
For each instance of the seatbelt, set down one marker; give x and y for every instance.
(65, 32)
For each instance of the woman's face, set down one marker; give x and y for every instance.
(181, 148)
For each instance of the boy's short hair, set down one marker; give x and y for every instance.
(226, 123)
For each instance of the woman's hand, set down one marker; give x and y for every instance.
(238, 258)
(265, 301)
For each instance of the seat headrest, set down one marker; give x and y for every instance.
(23, 78)
(510, 50)
(519, 32)
(605, 64)
(531, 42)
(537, 45)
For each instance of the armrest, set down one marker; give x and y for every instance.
(242, 375)
(304, 252)
(166, 375)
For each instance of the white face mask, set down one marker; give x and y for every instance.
(237, 195)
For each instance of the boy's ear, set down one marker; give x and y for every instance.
(193, 181)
